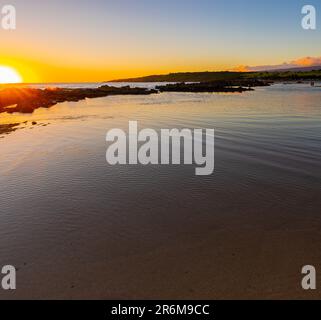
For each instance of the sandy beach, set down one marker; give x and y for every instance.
(235, 263)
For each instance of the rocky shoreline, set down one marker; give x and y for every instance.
(232, 86)
(7, 128)
(26, 100)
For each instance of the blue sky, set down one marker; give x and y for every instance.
(137, 37)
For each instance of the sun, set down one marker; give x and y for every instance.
(9, 75)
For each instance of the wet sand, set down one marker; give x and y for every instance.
(236, 263)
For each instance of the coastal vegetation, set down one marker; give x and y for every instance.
(186, 77)
(279, 75)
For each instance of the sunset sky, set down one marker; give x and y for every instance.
(97, 40)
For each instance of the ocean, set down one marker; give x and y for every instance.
(77, 227)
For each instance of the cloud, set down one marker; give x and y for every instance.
(308, 61)
(301, 62)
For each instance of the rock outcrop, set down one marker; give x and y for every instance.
(26, 100)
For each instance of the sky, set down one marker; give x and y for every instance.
(99, 40)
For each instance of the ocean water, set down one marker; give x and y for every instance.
(75, 226)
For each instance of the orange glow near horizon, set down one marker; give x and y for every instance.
(98, 41)
(9, 75)
(28, 70)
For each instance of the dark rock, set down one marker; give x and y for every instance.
(7, 128)
(213, 86)
(26, 100)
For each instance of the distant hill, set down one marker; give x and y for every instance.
(291, 74)
(186, 77)
(297, 69)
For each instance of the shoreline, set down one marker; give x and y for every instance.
(26, 100)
